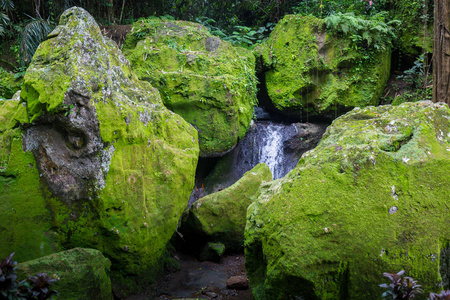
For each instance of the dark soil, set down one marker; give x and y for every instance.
(8, 60)
(394, 87)
(201, 280)
(117, 33)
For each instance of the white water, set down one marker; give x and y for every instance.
(271, 150)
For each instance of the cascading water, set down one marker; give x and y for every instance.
(271, 151)
(278, 145)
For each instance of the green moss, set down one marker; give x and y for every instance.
(81, 273)
(221, 216)
(210, 83)
(26, 222)
(151, 155)
(9, 84)
(413, 35)
(313, 72)
(371, 198)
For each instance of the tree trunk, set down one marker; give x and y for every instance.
(441, 52)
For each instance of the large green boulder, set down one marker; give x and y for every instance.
(311, 72)
(372, 197)
(80, 273)
(98, 161)
(206, 80)
(220, 217)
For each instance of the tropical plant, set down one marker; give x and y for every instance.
(6, 6)
(33, 288)
(240, 35)
(444, 295)
(401, 287)
(32, 35)
(8, 277)
(369, 32)
(417, 75)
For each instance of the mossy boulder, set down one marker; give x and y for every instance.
(206, 80)
(310, 72)
(98, 161)
(81, 273)
(372, 197)
(220, 217)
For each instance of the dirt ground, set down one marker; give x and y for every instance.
(199, 280)
(117, 33)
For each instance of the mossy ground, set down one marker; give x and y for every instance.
(371, 198)
(210, 83)
(313, 72)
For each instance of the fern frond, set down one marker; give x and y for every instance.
(6, 5)
(33, 34)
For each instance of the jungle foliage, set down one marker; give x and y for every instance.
(404, 26)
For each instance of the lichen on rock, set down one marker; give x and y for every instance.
(206, 80)
(113, 166)
(310, 72)
(371, 198)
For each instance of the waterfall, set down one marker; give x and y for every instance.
(271, 151)
(278, 145)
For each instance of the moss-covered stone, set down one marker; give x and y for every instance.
(98, 161)
(221, 217)
(311, 72)
(210, 83)
(81, 273)
(25, 221)
(212, 252)
(372, 197)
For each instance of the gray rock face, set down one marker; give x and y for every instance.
(69, 150)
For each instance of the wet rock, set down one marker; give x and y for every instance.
(90, 156)
(237, 283)
(81, 273)
(209, 82)
(212, 252)
(261, 114)
(311, 72)
(329, 223)
(278, 145)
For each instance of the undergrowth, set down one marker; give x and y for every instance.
(364, 32)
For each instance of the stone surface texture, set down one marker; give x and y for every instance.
(372, 197)
(220, 217)
(90, 157)
(206, 80)
(80, 273)
(309, 72)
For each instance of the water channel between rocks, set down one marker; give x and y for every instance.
(280, 146)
